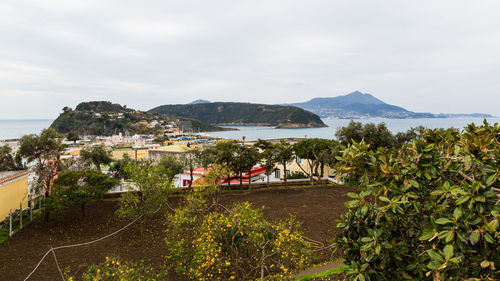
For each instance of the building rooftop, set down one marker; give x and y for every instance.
(10, 175)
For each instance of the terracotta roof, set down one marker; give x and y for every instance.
(10, 175)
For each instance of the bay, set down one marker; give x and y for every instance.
(394, 125)
(14, 129)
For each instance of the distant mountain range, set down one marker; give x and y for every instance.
(237, 114)
(363, 105)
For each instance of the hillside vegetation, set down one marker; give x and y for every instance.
(106, 118)
(230, 113)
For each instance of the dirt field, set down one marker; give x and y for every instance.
(317, 208)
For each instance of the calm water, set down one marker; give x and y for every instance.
(395, 125)
(12, 129)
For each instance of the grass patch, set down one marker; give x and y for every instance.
(329, 272)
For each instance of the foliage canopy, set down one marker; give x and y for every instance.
(428, 211)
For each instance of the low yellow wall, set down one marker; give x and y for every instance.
(141, 153)
(118, 154)
(11, 194)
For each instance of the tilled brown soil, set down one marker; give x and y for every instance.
(317, 208)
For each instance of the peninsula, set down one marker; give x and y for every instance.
(244, 114)
(106, 118)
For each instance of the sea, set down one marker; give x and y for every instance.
(251, 133)
(14, 129)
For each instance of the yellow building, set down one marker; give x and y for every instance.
(134, 153)
(13, 190)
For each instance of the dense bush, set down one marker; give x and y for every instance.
(240, 245)
(212, 242)
(428, 211)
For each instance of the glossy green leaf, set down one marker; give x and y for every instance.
(448, 251)
(443, 221)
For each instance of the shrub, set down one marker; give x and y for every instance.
(427, 211)
(113, 269)
(242, 245)
(211, 242)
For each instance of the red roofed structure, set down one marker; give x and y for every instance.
(258, 175)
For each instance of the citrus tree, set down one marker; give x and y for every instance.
(113, 269)
(428, 211)
(213, 242)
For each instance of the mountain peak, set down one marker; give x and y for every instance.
(356, 105)
(359, 97)
(199, 101)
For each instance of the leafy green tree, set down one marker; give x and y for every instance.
(191, 159)
(317, 152)
(73, 136)
(118, 167)
(205, 156)
(96, 155)
(171, 166)
(243, 161)
(224, 154)
(79, 187)
(407, 137)
(267, 156)
(9, 162)
(239, 163)
(427, 211)
(45, 149)
(283, 155)
(353, 131)
(150, 189)
(374, 135)
(251, 157)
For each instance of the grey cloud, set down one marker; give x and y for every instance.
(422, 55)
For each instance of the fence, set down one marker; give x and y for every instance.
(17, 216)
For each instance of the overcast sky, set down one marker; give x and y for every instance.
(426, 56)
